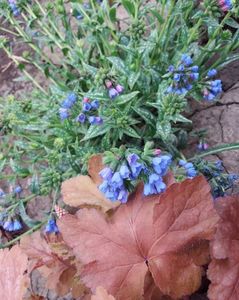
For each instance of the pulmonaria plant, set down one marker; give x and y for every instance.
(116, 88)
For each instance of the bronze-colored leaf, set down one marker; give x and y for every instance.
(13, 282)
(224, 268)
(157, 234)
(81, 191)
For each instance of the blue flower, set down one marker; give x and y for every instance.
(132, 158)
(72, 97)
(95, 104)
(113, 93)
(124, 172)
(81, 118)
(95, 120)
(2, 194)
(183, 76)
(64, 113)
(106, 173)
(116, 180)
(66, 104)
(189, 168)
(214, 88)
(8, 225)
(51, 227)
(18, 189)
(79, 16)
(186, 60)
(181, 68)
(182, 162)
(194, 69)
(16, 225)
(13, 5)
(161, 164)
(176, 77)
(212, 73)
(86, 106)
(123, 196)
(225, 5)
(171, 69)
(155, 185)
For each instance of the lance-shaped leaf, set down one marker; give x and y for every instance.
(224, 268)
(13, 264)
(160, 234)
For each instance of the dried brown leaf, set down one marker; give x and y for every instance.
(95, 165)
(55, 261)
(13, 283)
(224, 268)
(158, 234)
(81, 191)
(101, 294)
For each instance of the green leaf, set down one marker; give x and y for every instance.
(232, 23)
(132, 133)
(118, 64)
(26, 219)
(96, 95)
(112, 15)
(2, 164)
(95, 131)
(163, 130)
(129, 6)
(22, 172)
(157, 15)
(90, 69)
(180, 118)
(228, 60)
(133, 77)
(146, 115)
(122, 99)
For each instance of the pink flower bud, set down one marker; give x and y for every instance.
(157, 152)
(108, 84)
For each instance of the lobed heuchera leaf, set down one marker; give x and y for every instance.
(161, 235)
(55, 262)
(82, 191)
(101, 294)
(224, 268)
(13, 282)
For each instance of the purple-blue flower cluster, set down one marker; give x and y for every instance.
(183, 75)
(15, 9)
(66, 106)
(225, 5)
(115, 183)
(155, 184)
(11, 225)
(51, 227)
(189, 168)
(114, 90)
(213, 88)
(87, 108)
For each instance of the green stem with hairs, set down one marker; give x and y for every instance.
(218, 149)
